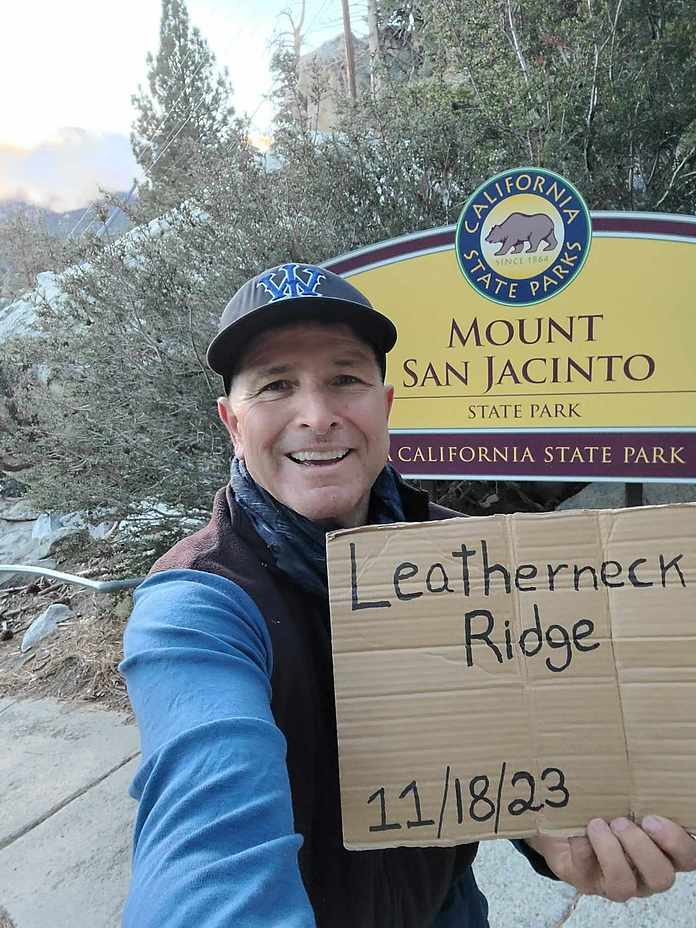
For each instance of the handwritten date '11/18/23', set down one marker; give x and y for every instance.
(474, 799)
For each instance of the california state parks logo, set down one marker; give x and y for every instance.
(523, 236)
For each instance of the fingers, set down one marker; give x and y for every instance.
(619, 881)
(632, 860)
(587, 876)
(677, 844)
(622, 860)
(655, 871)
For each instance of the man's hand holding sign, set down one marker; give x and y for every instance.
(523, 676)
(621, 860)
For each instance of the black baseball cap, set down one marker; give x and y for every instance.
(292, 293)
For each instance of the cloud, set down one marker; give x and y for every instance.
(66, 171)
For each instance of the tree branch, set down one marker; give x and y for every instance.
(676, 173)
(195, 351)
(591, 110)
(516, 44)
(613, 40)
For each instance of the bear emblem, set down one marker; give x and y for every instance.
(519, 228)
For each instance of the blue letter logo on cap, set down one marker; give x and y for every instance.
(291, 284)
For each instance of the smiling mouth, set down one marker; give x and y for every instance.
(319, 458)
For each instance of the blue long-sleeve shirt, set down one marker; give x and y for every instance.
(214, 843)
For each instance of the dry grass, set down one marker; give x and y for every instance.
(5, 920)
(79, 661)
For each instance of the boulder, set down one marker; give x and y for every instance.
(51, 529)
(17, 544)
(610, 495)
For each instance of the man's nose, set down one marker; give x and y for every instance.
(316, 411)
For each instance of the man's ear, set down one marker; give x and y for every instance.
(229, 420)
(389, 397)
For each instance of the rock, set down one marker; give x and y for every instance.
(50, 530)
(655, 494)
(46, 624)
(49, 545)
(610, 495)
(12, 488)
(45, 525)
(17, 546)
(19, 316)
(101, 531)
(604, 495)
(17, 510)
(13, 464)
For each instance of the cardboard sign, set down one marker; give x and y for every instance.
(513, 675)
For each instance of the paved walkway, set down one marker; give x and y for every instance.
(65, 832)
(65, 815)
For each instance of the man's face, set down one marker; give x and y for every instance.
(308, 413)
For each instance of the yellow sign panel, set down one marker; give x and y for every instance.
(608, 363)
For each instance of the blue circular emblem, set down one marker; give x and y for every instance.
(523, 236)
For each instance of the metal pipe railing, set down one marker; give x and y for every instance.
(99, 586)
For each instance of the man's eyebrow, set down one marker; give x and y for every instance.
(261, 372)
(256, 375)
(356, 356)
(274, 370)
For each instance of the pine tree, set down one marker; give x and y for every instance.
(185, 115)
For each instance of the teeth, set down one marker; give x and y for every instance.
(334, 455)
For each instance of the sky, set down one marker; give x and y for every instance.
(68, 69)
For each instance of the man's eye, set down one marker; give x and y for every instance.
(347, 379)
(275, 386)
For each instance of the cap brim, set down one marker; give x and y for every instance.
(229, 344)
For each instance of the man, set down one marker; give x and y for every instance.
(228, 656)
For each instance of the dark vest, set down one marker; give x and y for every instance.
(394, 888)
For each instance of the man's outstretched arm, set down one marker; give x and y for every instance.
(214, 842)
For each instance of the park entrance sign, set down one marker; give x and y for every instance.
(539, 341)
